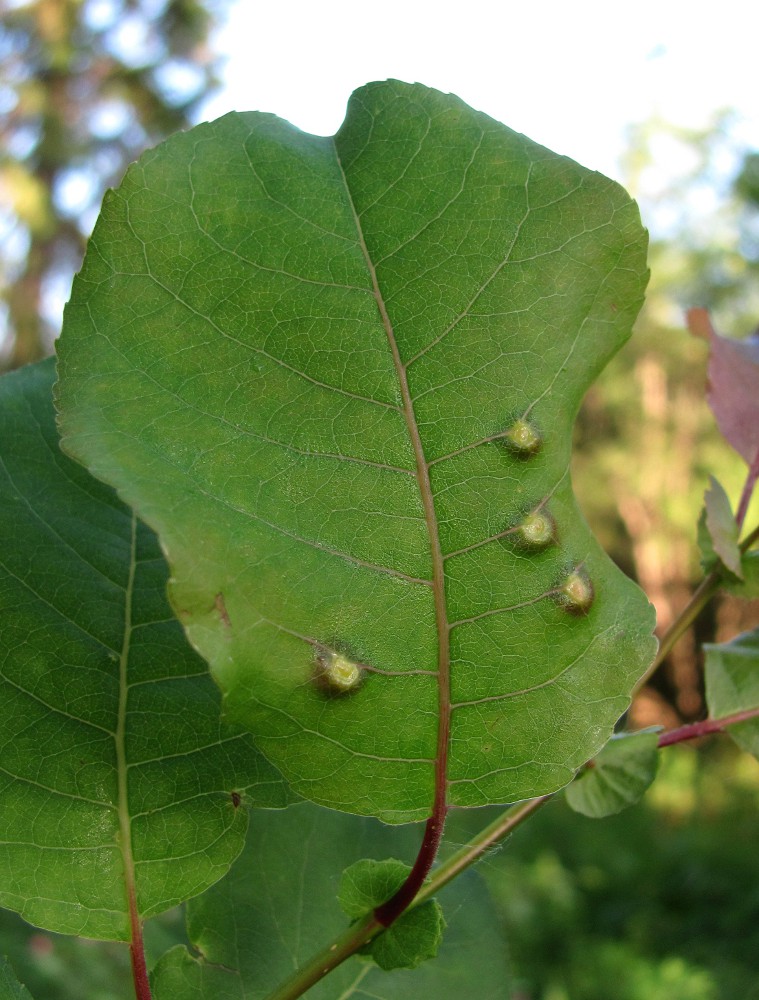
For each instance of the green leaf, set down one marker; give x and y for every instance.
(117, 773)
(618, 777)
(10, 987)
(278, 906)
(732, 685)
(721, 529)
(412, 939)
(338, 377)
(367, 883)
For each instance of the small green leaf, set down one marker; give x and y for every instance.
(118, 775)
(335, 374)
(278, 906)
(367, 883)
(618, 777)
(732, 685)
(414, 937)
(10, 987)
(721, 527)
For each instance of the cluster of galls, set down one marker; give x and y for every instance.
(537, 530)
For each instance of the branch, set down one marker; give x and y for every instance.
(747, 492)
(317, 967)
(701, 597)
(705, 728)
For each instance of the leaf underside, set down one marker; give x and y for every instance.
(299, 359)
(116, 770)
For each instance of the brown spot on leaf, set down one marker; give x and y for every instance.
(222, 609)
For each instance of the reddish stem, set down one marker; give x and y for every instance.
(748, 489)
(137, 954)
(705, 728)
(405, 896)
(140, 972)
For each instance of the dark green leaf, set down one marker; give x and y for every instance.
(618, 777)
(10, 987)
(338, 376)
(114, 758)
(732, 685)
(278, 906)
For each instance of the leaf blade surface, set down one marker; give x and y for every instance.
(110, 723)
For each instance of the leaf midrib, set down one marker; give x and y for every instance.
(428, 504)
(125, 822)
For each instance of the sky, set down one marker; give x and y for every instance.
(572, 76)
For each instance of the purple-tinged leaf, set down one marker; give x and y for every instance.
(733, 389)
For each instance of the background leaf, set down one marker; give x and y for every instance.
(733, 384)
(618, 778)
(10, 987)
(106, 713)
(732, 685)
(278, 906)
(338, 376)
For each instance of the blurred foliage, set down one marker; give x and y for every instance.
(85, 86)
(646, 441)
(56, 967)
(657, 903)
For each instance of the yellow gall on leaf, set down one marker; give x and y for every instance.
(537, 530)
(336, 673)
(523, 438)
(575, 593)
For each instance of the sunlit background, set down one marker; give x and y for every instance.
(574, 77)
(659, 95)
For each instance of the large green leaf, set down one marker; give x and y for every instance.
(116, 773)
(278, 906)
(336, 376)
